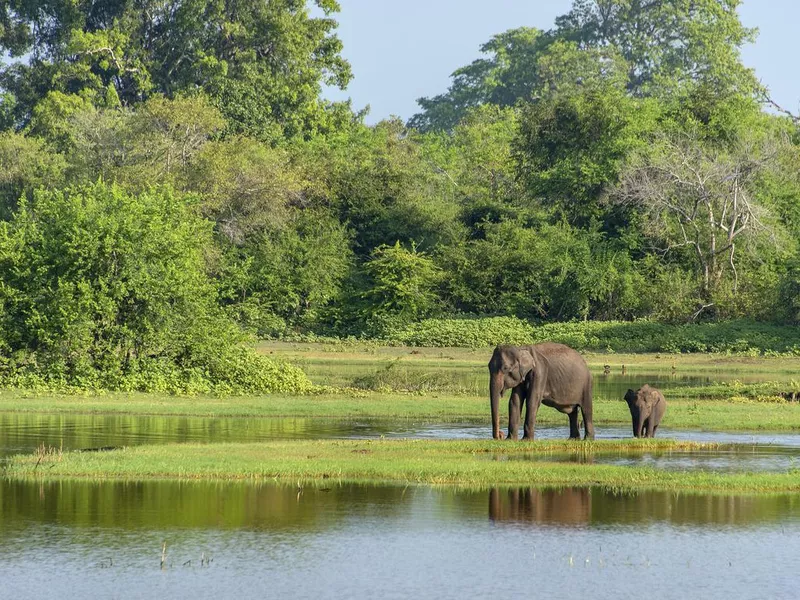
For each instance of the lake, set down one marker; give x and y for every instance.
(236, 540)
(105, 539)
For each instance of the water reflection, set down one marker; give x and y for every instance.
(271, 506)
(730, 459)
(104, 539)
(21, 433)
(566, 506)
(600, 507)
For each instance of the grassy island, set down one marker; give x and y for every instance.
(468, 463)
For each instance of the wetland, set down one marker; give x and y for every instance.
(393, 475)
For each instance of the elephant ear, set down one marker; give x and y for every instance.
(526, 362)
(630, 396)
(650, 396)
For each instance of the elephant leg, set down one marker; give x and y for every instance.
(530, 417)
(534, 392)
(514, 409)
(574, 432)
(651, 427)
(646, 428)
(588, 425)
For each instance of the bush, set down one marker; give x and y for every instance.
(104, 290)
(739, 337)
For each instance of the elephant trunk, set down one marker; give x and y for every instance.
(495, 391)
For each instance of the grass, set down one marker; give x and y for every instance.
(727, 405)
(439, 408)
(722, 405)
(471, 463)
(463, 371)
(369, 353)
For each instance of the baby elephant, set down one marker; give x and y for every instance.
(647, 406)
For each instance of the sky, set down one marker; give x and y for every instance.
(400, 51)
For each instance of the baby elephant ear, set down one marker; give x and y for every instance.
(651, 397)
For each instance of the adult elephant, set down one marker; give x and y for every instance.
(647, 406)
(551, 374)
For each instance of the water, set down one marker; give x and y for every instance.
(21, 433)
(104, 540)
(93, 539)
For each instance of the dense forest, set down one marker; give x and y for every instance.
(171, 180)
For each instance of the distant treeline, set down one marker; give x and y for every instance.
(171, 177)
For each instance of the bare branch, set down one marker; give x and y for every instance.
(685, 185)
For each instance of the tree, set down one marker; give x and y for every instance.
(261, 63)
(286, 275)
(245, 187)
(94, 278)
(382, 185)
(25, 165)
(702, 198)
(402, 286)
(151, 144)
(105, 289)
(571, 146)
(666, 43)
(502, 79)
(658, 47)
(476, 162)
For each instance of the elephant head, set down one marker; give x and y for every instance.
(641, 404)
(508, 368)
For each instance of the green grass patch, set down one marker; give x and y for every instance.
(729, 415)
(462, 370)
(473, 463)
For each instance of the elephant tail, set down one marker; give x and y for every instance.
(586, 409)
(587, 392)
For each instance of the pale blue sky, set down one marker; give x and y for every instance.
(400, 51)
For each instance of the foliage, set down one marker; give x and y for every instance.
(744, 337)
(545, 271)
(245, 187)
(174, 180)
(439, 462)
(402, 287)
(666, 44)
(26, 164)
(286, 276)
(383, 186)
(702, 199)
(262, 63)
(501, 80)
(652, 48)
(150, 145)
(572, 146)
(101, 289)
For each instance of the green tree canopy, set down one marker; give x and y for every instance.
(261, 63)
(656, 48)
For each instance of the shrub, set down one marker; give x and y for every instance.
(738, 337)
(100, 289)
